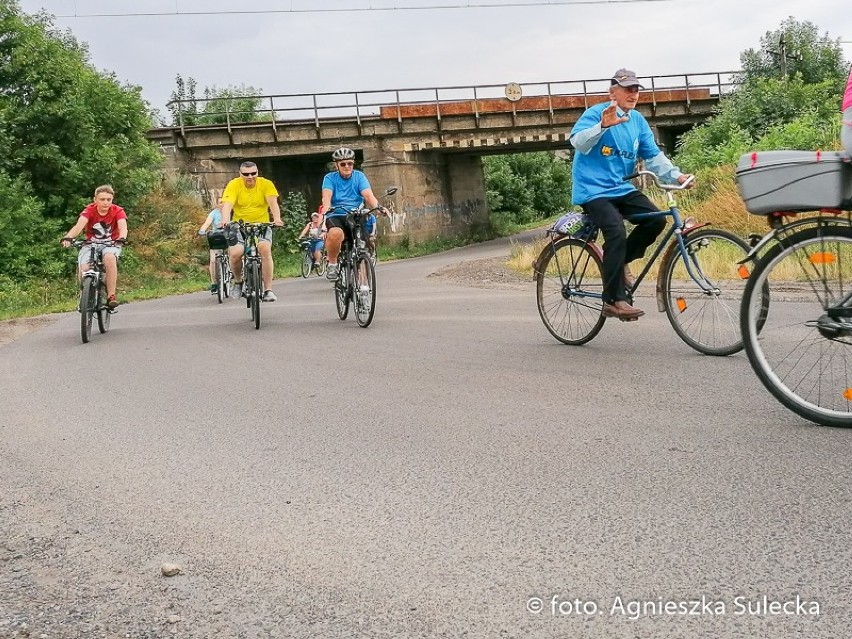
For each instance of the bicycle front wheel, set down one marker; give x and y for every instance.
(322, 265)
(342, 291)
(88, 292)
(307, 263)
(364, 291)
(222, 284)
(707, 320)
(255, 292)
(103, 312)
(569, 290)
(803, 351)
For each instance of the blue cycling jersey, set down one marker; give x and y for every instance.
(345, 193)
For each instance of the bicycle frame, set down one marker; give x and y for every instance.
(676, 230)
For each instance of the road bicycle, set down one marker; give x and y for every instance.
(252, 267)
(308, 263)
(699, 286)
(217, 240)
(798, 338)
(93, 295)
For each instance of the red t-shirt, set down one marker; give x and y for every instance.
(103, 227)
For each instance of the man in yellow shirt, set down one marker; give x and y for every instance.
(251, 198)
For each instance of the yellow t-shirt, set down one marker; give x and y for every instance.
(249, 204)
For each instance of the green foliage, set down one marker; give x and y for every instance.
(526, 187)
(29, 243)
(67, 127)
(812, 57)
(218, 106)
(294, 214)
(770, 111)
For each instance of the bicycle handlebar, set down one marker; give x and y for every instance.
(75, 243)
(664, 187)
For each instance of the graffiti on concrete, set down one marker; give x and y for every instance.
(415, 214)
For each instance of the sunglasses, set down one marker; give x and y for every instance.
(249, 174)
(345, 164)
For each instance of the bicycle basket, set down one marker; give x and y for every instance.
(217, 239)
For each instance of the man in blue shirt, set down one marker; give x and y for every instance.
(348, 189)
(609, 139)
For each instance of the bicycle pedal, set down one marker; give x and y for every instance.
(629, 319)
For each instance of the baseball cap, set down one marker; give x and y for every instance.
(626, 78)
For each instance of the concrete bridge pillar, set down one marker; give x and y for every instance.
(439, 194)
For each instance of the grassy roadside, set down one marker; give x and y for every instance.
(167, 258)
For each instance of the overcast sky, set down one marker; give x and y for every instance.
(299, 51)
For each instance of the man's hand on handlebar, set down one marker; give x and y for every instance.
(687, 181)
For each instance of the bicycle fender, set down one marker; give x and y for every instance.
(672, 247)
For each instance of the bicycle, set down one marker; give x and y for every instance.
(252, 267)
(217, 240)
(697, 283)
(308, 262)
(356, 280)
(93, 295)
(798, 338)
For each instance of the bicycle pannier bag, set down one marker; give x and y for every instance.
(217, 239)
(773, 181)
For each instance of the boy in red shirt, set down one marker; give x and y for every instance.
(105, 224)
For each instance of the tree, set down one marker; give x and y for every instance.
(525, 187)
(65, 128)
(231, 104)
(795, 48)
(769, 110)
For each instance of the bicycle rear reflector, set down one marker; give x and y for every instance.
(823, 258)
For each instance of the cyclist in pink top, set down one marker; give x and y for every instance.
(846, 129)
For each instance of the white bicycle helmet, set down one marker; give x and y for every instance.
(343, 153)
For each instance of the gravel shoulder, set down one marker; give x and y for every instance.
(490, 273)
(13, 329)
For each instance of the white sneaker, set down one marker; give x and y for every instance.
(332, 272)
(269, 296)
(236, 289)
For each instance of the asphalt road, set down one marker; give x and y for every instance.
(451, 471)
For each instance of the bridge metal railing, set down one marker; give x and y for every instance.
(318, 108)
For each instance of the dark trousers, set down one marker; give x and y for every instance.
(619, 248)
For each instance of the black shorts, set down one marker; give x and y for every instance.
(340, 222)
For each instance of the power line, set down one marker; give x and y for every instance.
(467, 5)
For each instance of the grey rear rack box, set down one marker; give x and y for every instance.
(772, 181)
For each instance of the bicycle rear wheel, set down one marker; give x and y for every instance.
(708, 321)
(255, 292)
(803, 351)
(343, 290)
(364, 291)
(569, 290)
(307, 263)
(103, 312)
(87, 308)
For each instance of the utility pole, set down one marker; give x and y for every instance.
(783, 54)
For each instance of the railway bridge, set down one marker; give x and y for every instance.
(427, 142)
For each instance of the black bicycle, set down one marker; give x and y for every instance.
(356, 279)
(252, 267)
(93, 294)
(217, 240)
